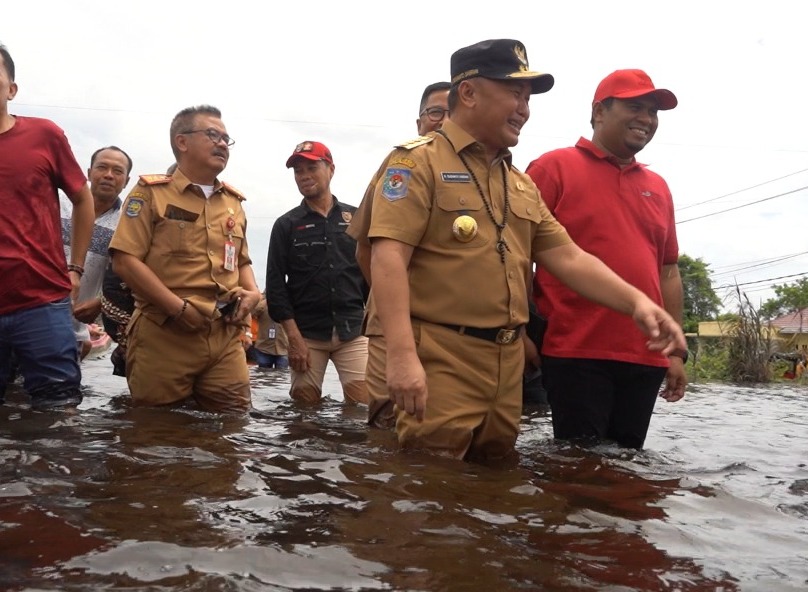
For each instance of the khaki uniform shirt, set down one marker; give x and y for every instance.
(424, 188)
(270, 338)
(358, 230)
(180, 235)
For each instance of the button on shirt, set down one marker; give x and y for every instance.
(312, 273)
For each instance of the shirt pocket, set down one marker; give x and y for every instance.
(526, 209)
(177, 238)
(452, 203)
(309, 247)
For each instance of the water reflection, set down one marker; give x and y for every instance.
(308, 499)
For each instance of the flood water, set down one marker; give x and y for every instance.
(118, 498)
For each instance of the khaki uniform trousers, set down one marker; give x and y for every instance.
(381, 410)
(165, 365)
(350, 359)
(474, 401)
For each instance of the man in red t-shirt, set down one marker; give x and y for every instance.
(35, 297)
(602, 380)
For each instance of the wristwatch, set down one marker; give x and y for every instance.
(681, 353)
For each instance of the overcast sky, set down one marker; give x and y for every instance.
(350, 74)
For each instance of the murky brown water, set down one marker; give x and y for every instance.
(116, 498)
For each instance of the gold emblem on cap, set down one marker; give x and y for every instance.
(464, 228)
(521, 55)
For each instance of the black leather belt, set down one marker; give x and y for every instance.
(499, 335)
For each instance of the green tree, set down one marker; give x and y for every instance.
(788, 298)
(701, 302)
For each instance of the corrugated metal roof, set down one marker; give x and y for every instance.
(793, 322)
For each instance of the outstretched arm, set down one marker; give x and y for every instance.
(592, 279)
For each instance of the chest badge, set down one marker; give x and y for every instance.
(464, 228)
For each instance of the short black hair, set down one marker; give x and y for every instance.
(97, 152)
(434, 87)
(7, 61)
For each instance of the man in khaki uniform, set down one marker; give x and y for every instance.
(432, 112)
(180, 245)
(271, 349)
(454, 230)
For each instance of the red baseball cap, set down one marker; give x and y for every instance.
(628, 84)
(312, 151)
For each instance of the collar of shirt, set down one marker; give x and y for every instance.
(462, 140)
(590, 147)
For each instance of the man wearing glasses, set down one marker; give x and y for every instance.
(432, 112)
(433, 108)
(180, 245)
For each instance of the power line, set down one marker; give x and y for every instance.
(756, 261)
(257, 118)
(701, 203)
(763, 263)
(743, 206)
(782, 277)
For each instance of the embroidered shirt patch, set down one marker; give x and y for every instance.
(395, 183)
(133, 207)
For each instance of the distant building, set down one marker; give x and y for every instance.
(789, 331)
(792, 330)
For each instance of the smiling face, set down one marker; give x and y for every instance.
(313, 177)
(498, 110)
(625, 126)
(108, 175)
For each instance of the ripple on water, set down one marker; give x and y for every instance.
(299, 498)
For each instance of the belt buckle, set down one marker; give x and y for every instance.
(506, 336)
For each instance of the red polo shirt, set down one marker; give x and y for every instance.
(625, 218)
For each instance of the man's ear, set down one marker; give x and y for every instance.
(597, 112)
(181, 142)
(467, 92)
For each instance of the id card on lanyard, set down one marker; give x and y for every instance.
(229, 245)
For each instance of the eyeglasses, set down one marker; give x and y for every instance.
(434, 113)
(214, 136)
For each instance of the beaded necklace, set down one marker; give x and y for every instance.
(502, 245)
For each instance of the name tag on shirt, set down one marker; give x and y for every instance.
(455, 177)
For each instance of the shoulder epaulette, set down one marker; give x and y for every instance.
(419, 141)
(154, 179)
(234, 191)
